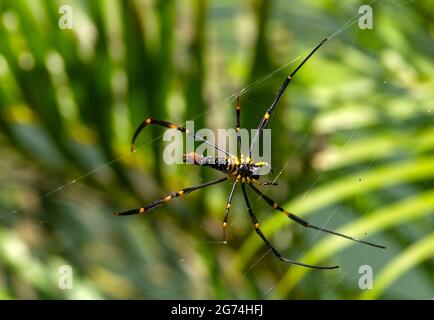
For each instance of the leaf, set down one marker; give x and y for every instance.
(408, 259)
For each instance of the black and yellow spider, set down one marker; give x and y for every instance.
(242, 170)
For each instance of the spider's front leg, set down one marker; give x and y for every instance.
(169, 125)
(238, 125)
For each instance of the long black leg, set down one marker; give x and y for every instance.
(259, 232)
(266, 183)
(228, 208)
(169, 125)
(174, 195)
(270, 110)
(306, 224)
(238, 125)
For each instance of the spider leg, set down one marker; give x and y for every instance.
(282, 89)
(259, 232)
(306, 224)
(228, 208)
(238, 112)
(170, 197)
(169, 125)
(266, 183)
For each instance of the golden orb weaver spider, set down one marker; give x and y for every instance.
(244, 172)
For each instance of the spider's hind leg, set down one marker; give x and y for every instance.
(170, 197)
(306, 224)
(269, 245)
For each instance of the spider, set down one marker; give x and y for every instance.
(243, 171)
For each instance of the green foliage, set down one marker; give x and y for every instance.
(353, 147)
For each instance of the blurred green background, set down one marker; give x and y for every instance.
(353, 148)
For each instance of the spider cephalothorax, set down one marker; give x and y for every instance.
(241, 171)
(248, 170)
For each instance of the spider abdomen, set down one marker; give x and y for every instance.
(225, 165)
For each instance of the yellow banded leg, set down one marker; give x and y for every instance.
(269, 245)
(306, 224)
(228, 208)
(238, 124)
(170, 125)
(168, 198)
